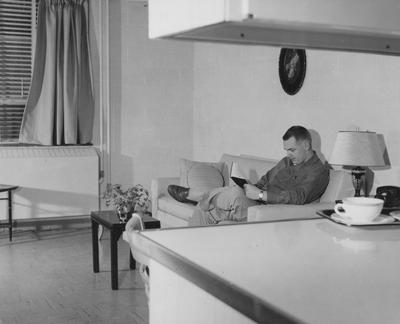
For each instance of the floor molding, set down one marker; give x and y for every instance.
(47, 223)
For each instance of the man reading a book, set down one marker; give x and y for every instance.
(299, 178)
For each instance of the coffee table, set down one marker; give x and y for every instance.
(109, 220)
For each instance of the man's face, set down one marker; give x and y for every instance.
(296, 151)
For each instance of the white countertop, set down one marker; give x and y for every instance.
(315, 270)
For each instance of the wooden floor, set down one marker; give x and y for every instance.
(46, 276)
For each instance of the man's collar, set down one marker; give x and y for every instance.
(310, 160)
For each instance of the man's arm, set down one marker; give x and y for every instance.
(280, 191)
(266, 179)
(255, 193)
(258, 191)
(308, 191)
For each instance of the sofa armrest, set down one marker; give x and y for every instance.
(274, 212)
(159, 188)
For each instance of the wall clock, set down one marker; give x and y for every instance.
(292, 69)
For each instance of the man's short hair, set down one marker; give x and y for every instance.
(299, 133)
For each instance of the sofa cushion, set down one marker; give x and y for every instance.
(171, 206)
(279, 212)
(201, 175)
(339, 187)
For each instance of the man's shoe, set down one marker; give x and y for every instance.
(180, 194)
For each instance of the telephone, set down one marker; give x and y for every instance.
(390, 195)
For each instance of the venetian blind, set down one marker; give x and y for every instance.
(17, 23)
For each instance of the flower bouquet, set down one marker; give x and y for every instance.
(127, 201)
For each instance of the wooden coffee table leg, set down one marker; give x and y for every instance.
(95, 246)
(114, 259)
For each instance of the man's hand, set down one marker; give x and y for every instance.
(251, 191)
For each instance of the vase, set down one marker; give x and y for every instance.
(124, 213)
(122, 216)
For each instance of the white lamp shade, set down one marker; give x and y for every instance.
(357, 149)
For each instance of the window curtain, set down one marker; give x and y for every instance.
(60, 105)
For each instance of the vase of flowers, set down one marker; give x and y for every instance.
(127, 201)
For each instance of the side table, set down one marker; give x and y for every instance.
(9, 190)
(109, 220)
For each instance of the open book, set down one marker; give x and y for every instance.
(237, 175)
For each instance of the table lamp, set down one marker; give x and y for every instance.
(357, 149)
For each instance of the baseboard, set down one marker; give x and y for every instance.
(48, 223)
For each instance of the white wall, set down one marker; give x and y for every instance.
(240, 106)
(151, 98)
(172, 99)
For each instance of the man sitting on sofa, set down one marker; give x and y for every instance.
(299, 178)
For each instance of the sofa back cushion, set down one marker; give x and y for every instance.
(253, 168)
(201, 175)
(339, 187)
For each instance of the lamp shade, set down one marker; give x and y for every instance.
(356, 148)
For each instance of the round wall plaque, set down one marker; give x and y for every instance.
(292, 69)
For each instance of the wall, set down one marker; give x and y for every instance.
(241, 108)
(151, 98)
(172, 99)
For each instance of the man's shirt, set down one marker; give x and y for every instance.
(300, 184)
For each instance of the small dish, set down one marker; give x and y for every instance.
(380, 220)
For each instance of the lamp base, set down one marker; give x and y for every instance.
(357, 177)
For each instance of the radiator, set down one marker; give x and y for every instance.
(54, 181)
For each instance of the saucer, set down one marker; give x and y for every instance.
(395, 214)
(380, 220)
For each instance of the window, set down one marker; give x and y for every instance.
(17, 34)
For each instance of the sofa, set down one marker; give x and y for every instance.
(172, 213)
